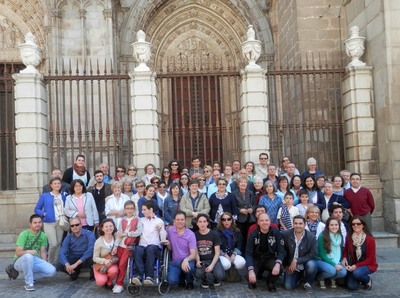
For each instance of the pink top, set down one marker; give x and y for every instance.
(79, 205)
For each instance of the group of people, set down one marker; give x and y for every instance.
(215, 221)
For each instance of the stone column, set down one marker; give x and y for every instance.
(145, 132)
(253, 101)
(31, 125)
(360, 139)
(254, 129)
(359, 118)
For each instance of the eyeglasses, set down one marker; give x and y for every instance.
(222, 184)
(356, 224)
(120, 171)
(75, 225)
(226, 219)
(263, 158)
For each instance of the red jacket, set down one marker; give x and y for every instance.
(370, 258)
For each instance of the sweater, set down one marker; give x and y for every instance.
(368, 249)
(361, 202)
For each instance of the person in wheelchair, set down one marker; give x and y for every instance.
(182, 242)
(208, 266)
(129, 229)
(149, 248)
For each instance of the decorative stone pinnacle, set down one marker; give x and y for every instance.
(30, 54)
(251, 49)
(355, 47)
(141, 51)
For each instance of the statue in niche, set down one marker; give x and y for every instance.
(9, 34)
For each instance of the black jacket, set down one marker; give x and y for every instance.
(275, 248)
(308, 249)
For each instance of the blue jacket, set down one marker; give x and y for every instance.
(74, 247)
(46, 205)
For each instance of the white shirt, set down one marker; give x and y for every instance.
(153, 231)
(114, 204)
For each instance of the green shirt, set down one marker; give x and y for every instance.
(26, 238)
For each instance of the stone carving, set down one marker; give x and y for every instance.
(141, 51)
(251, 49)
(30, 54)
(355, 47)
(10, 36)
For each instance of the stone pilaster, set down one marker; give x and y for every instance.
(32, 153)
(145, 133)
(360, 136)
(253, 113)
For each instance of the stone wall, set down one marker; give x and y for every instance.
(378, 22)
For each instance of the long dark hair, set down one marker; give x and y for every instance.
(327, 237)
(233, 226)
(304, 183)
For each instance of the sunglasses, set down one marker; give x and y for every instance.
(356, 224)
(120, 171)
(163, 186)
(174, 164)
(75, 225)
(156, 182)
(131, 169)
(226, 219)
(202, 180)
(222, 184)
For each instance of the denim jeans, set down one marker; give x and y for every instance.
(308, 275)
(326, 270)
(217, 273)
(176, 274)
(361, 274)
(150, 253)
(34, 268)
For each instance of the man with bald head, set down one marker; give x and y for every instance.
(265, 251)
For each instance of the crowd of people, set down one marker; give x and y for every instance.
(219, 222)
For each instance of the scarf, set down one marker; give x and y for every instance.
(228, 234)
(79, 170)
(336, 247)
(312, 226)
(358, 241)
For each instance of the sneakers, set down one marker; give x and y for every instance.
(368, 286)
(308, 288)
(211, 286)
(322, 284)
(118, 289)
(136, 280)
(29, 287)
(333, 284)
(148, 281)
(204, 284)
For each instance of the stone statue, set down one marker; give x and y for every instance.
(355, 47)
(141, 51)
(30, 54)
(251, 49)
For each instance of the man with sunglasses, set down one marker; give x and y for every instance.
(77, 250)
(262, 168)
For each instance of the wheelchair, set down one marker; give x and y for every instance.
(160, 274)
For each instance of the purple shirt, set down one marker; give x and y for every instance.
(181, 244)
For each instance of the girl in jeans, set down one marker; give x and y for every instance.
(330, 253)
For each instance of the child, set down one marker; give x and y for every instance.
(129, 229)
(303, 195)
(287, 212)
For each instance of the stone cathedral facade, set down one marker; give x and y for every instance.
(197, 96)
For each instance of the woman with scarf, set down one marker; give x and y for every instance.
(77, 171)
(314, 224)
(330, 253)
(231, 243)
(359, 255)
(221, 201)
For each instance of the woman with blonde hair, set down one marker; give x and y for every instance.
(313, 221)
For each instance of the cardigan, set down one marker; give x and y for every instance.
(368, 248)
(89, 207)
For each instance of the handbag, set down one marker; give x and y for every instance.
(63, 223)
(102, 268)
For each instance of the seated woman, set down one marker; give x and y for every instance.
(104, 250)
(330, 253)
(208, 266)
(231, 243)
(313, 221)
(359, 255)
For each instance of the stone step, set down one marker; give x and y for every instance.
(7, 250)
(385, 239)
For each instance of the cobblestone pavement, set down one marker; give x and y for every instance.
(386, 283)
